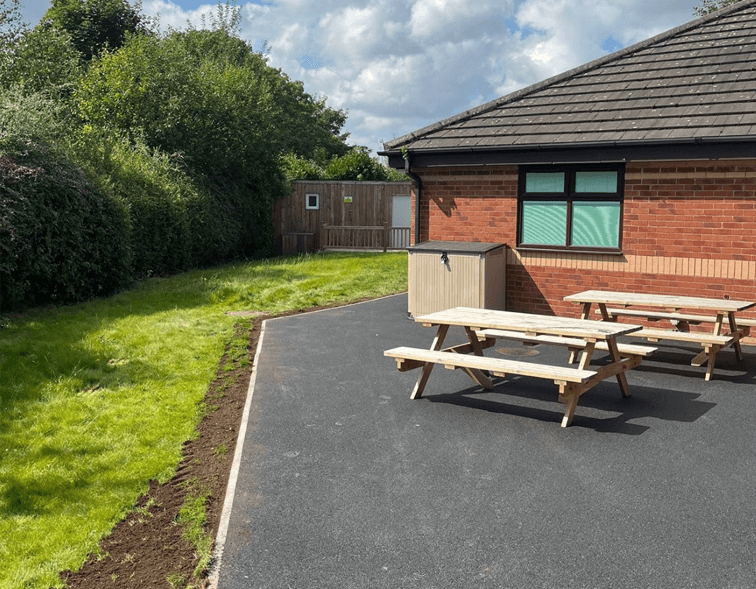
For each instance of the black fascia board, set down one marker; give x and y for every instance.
(743, 147)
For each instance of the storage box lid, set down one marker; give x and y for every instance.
(455, 247)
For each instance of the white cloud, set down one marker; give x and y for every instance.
(398, 65)
(173, 16)
(456, 19)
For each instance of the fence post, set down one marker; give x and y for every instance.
(385, 236)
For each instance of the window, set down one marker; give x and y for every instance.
(312, 201)
(578, 208)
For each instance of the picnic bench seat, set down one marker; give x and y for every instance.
(569, 342)
(572, 382)
(748, 322)
(703, 338)
(684, 317)
(496, 366)
(659, 315)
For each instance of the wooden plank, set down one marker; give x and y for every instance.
(682, 336)
(494, 365)
(568, 342)
(658, 315)
(527, 323)
(654, 300)
(749, 322)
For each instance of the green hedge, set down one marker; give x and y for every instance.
(61, 239)
(157, 195)
(177, 220)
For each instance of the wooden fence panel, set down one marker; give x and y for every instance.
(361, 209)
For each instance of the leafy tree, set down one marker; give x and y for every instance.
(95, 24)
(359, 166)
(11, 25)
(41, 61)
(227, 18)
(708, 6)
(300, 168)
(215, 104)
(210, 97)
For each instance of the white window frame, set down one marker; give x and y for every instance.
(308, 206)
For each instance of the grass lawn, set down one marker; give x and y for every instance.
(96, 399)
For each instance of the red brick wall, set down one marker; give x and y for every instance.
(689, 228)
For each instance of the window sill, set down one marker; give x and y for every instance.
(570, 250)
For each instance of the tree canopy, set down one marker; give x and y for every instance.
(708, 6)
(95, 24)
(43, 61)
(207, 96)
(11, 25)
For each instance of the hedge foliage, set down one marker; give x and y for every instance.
(355, 165)
(61, 239)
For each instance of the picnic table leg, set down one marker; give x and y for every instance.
(712, 359)
(621, 379)
(585, 313)
(479, 376)
(438, 341)
(734, 330)
(585, 359)
(571, 401)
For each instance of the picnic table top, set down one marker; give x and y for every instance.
(528, 323)
(655, 300)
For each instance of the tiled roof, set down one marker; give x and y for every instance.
(695, 81)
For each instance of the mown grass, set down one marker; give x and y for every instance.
(97, 399)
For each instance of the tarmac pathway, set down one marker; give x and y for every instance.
(344, 482)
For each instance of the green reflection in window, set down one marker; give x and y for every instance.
(595, 224)
(596, 181)
(544, 223)
(544, 182)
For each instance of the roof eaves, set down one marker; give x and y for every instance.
(396, 144)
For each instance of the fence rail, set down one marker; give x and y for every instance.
(364, 237)
(345, 236)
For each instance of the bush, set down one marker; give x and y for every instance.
(61, 239)
(41, 62)
(299, 168)
(357, 165)
(158, 197)
(177, 221)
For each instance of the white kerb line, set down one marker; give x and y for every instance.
(220, 539)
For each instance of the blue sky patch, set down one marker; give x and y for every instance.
(611, 45)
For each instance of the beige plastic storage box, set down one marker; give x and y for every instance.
(444, 274)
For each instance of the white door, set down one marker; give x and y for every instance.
(401, 220)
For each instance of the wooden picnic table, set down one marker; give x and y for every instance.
(669, 308)
(484, 326)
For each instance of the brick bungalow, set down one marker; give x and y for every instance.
(634, 172)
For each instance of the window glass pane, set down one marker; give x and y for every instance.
(544, 182)
(544, 223)
(595, 224)
(596, 181)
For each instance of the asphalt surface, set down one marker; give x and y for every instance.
(347, 483)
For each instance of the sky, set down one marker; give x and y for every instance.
(398, 65)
